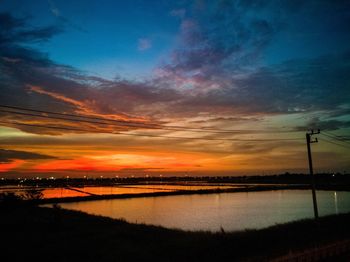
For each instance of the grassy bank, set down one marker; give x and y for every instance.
(33, 233)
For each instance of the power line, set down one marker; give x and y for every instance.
(335, 143)
(139, 124)
(114, 124)
(339, 136)
(329, 135)
(104, 123)
(67, 119)
(338, 140)
(149, 135)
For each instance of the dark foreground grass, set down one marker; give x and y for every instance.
(30, 233)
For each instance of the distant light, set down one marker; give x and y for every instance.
(67, 177)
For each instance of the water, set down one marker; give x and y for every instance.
(58, 192)
(185, 187)
(230, 211)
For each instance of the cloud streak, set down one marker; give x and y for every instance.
(7, 156)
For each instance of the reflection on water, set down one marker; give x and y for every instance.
(231, 211)
(336, 202)
(86, 191)
(111, 190)
(61, 192)
(184, 187)
(108, 190)
(47, 192)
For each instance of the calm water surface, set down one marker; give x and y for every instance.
(230, 211)
(110, 190)
(60, 192)
(185, 187)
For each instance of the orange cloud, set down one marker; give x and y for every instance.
(117, 162)
(81, 164)
(68, 100)
(84, 107)
(8, 166)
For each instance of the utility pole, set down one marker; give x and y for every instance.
(308, 142)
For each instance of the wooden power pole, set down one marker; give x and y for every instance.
(308, 143)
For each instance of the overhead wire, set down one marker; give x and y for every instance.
(335, 143)
(150, 135)
(135, 123)
(118, 125)
(338, 138)
(123, 124)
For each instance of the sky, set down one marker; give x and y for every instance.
(177, 87)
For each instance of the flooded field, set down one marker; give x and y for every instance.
(62, 192)
(213, 212)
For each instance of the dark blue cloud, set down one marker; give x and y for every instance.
(324, 125)
(7, 156)
(292, 87)
(226, 45)
(15, 30)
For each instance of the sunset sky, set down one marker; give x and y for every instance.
(194, 87)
